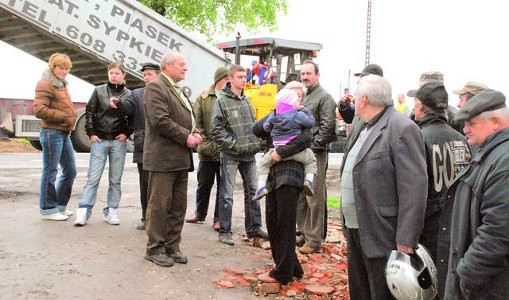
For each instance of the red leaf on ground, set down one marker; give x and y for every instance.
(233, 271)
(319, 290)
(229, 277)
(242, 281)
(224, 284)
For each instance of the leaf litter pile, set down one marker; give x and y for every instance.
(325, 273)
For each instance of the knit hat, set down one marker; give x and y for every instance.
(220, 73)
(285, 101)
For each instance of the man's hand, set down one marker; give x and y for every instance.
(405, 249)
(113, 102)
(345, 101)
(275, 156)
(95, 138)
(191, 141)
(197, 138)
(121, 137)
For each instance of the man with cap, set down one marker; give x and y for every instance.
(208, 150)
(479, 246)
(345, 108)
(439, 76)
(468, 91)
(133, 106)
(447, 153)
(262, 71)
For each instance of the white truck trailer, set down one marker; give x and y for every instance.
(94, 33)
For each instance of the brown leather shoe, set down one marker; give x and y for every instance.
(217, 226)
(307, 250)
(194, 219)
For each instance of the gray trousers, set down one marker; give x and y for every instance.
(311, 210)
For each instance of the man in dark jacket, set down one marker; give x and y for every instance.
(447, 153)
(345, 107)
(133, 106)
(383, 188)
(311, 210)
(108, 133)
(208, 151)
(233, 117)
(479, 247)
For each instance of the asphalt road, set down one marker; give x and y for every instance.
(55, 260)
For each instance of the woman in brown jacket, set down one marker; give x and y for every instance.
(54, 107)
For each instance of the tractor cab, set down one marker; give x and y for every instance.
(283, 59)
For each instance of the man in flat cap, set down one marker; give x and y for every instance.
(208, 150)
(479, 246)
(345, 107)
(468, 91)
(133, 106)
(447, 153)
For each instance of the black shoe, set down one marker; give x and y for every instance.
(259, 233)
(178, 257)
(226, 239)
(160, 259)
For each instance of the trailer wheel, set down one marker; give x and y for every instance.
(36, 144)
(79, 137)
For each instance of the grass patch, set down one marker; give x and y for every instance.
(333, 202)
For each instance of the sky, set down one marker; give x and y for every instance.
(464, 39)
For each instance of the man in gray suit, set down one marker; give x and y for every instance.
(170, 136)
(384, 185)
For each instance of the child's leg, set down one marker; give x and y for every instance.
(308, 159)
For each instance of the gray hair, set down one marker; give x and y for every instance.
(377, 89)
(170, 57)
(502, 113)
(296, 85)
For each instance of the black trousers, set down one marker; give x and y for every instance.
(366, 276)
(207, 172)
(280, 216)
(143, 178)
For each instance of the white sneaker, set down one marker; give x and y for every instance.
(112, 217)
(67, 213)
(81, 216)
(55, 217)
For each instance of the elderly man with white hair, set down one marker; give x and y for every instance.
(384, 185)
(479, 246)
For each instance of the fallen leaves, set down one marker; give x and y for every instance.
(325, 273)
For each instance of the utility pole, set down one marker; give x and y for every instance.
(368, 34)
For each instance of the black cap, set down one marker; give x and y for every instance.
(149, 66)
(371, 69)
(433, 95)
(485, 100)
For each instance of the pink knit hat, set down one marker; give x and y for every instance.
(285, 100)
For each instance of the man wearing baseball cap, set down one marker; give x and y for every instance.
(479, 240)
(468, 91)
(208, 150)
(447, 153)
(133, 107)
(345, 108)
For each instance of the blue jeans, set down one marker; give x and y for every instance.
(56, 149)
(207, 171)
(247, 170)
(115, 151)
